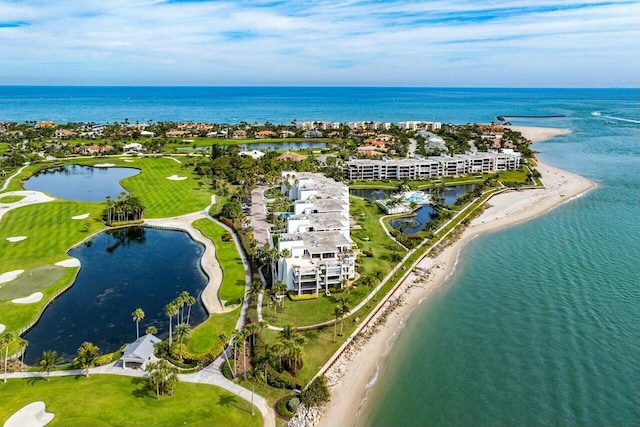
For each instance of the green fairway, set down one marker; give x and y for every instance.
(109, 400)
(161, 197)
(31, 281)
(233, 277)
(11, 199)
(50, 232)
(204, 337)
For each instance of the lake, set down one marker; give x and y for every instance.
(122, 270)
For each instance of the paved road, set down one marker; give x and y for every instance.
(258, 216)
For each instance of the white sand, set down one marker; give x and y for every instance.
(351, 375)
(31, 415)
(129, 161)
(16, 239)
(10, 275)
(30, 198)
(83, 216)
(104, 165)
(70, 262)
(2, 328)
(176, 178)
(174, 159)
(33, 298)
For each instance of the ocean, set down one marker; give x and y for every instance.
(539, 324)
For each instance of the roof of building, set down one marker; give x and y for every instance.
(140, 350)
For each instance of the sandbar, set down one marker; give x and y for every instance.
(83, 216)
(69, 262)
(33, 298)
(176, 178)
(351, 375)
(10, 275)
(16, 239)
(31, 415)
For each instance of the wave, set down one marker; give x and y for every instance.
(621, 119)
(596, 113)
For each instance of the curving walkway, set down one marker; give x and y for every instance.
(16, 173)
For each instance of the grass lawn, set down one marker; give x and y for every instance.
(111, 400)
(11, 199)
(233, 278)
(513, 176)
(204, 337)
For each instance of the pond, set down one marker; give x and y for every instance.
(121, 270)
(266, 146)
(80, 183)
(427, 213)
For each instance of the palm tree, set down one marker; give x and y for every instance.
(87, 356)
(163, 376)
(190, 301)
(137, 315)
(181, 302)
(223, 340)
(151, 330)
(280, 288)
(48, 361)
(5, 340)
(183, 330)
(344, 310)
(170, 310)
(337, 314)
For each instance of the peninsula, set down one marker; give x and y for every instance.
(290, 255)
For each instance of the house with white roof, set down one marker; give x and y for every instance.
(139, 352)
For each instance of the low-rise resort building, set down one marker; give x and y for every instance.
(316, 249)
(433, 167)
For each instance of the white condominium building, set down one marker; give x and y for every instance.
(432, 167)
(317, 244)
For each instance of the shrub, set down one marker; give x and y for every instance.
(317, 392)
(367, 253)
(293, 404)
(226, 237)
(281, 408)
(280, 380)
(105, 359)
(305, 297)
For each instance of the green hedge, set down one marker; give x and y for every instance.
(305, 297)
(281, 408)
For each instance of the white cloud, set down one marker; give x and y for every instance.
(412, 43)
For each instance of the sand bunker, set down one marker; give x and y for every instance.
(83, 216)
(10, 275)
(70, 262)
(31, 415)
(2, 327)
(104, 165)
(16, 239)
(34, 297)
(129, 161)
(176, 178)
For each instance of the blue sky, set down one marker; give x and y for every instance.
(507, 43)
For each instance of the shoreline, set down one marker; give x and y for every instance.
(355, 371)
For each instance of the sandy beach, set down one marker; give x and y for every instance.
(350, 376)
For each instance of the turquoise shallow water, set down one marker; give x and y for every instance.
(539, 325)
